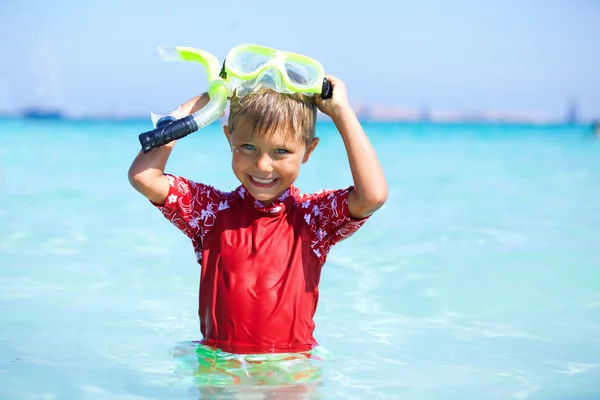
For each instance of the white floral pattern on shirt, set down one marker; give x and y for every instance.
(193, 207)
(329, 219)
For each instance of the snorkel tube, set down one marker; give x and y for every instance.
(218, 91)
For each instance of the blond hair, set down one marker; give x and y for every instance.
(267, 111)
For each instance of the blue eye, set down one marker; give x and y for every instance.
(281, 151)
(248, 147)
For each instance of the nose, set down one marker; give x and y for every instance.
(264, 162)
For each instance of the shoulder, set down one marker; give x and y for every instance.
(326, 213)
(187, 195)
(186, 186)
(322, 198)
(323, 207)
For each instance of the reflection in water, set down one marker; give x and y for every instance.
(218, 374)
(292, 392)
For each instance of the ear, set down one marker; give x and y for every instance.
(227, 134)
(310, 149)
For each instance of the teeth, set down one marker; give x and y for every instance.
(264, 181)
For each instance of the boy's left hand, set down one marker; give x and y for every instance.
(337, 102)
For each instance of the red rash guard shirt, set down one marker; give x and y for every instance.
(260, 265)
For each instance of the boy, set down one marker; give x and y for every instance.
(262, 246)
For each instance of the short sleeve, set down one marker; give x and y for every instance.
(192, 206)
(329, 219)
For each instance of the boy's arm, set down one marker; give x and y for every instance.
(195, 104)
(146, 173)
(370, 187)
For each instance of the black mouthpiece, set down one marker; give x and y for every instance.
(327, 90)
(167, 130)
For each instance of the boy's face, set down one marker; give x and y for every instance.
(266, 164)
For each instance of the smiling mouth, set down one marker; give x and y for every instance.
(263, 183)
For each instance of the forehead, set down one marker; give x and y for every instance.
(279, 134)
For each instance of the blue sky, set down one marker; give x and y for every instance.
(509, 56)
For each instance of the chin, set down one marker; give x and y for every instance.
(266, 200)
(264, 197)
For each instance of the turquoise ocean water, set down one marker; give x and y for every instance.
(479, 279)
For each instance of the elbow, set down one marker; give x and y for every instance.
(133, 177)
(137, 179)
(374, 196)
(377, 200)
(380, 201)
(371, 203)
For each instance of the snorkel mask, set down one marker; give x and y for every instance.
(248, 66)
(245, 68)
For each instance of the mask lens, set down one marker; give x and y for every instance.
(246, 62)
(302, 74)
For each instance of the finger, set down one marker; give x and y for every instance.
(332, 79)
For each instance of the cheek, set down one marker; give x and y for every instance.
(289, 166)
(239, 159)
